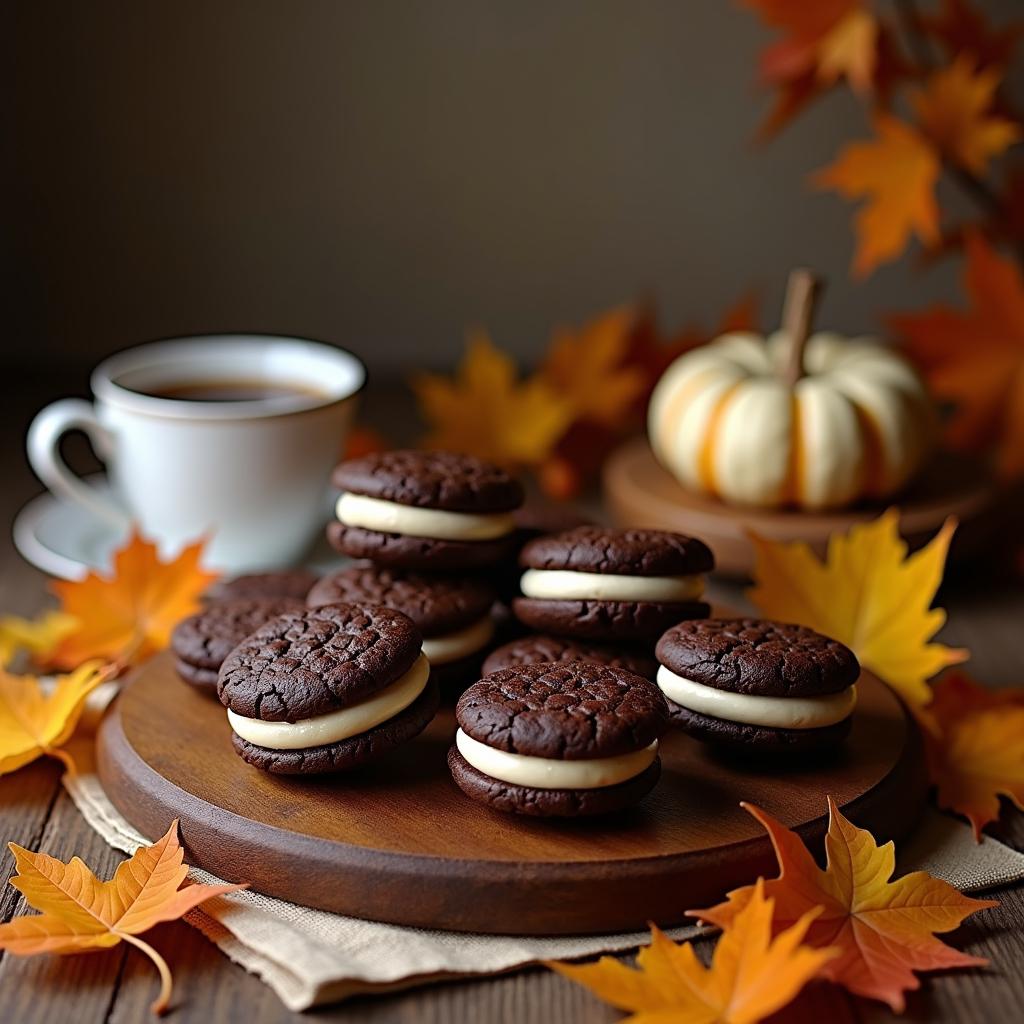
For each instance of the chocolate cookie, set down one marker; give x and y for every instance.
(538, 647)
(451, 612)
(327, 688)
(425, 510)
(603, 583)
(566, 739)
(758, 685)
(201, 642)
(257, 586)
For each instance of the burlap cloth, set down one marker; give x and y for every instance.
(309, 957)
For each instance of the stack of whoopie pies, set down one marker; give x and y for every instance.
(614, 645)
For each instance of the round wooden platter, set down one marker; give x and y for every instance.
(398, 842)
(639, 491)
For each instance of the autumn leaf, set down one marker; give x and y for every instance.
(976, 748)
(485, 411)
(751, 975)
(884, 930)
(80, 913)
(869, 594)
(587, 367)
(37, 636)
(974, 359)
(37, 720)
(129, 615)
(896, 175)
(822, 43)
(954, 112)
(964, 29)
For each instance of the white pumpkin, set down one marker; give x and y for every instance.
(726, 422)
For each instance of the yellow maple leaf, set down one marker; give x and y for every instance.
(81, 913)
(975, 748)
(869, 594)
(588, 369)
(37, 720)
(882, 930)
(850, 50)
(130, 614)
(37, 636)
(750, 977)
(485, 411)
(954, 110)
(896, 175)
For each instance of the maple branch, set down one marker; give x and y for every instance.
(163, 1000)
(801, 297)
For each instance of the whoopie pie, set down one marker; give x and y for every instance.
(429, 510)
(758, 685)
(558, 740)
(611, 584)
(327, 689)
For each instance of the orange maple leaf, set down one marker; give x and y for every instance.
(751, 975)
(35, 720)
(884, 930)
(81, 913)
(975, 748)
(129, 615)
(869, 594)
(823, 42)
(896, 175)
(954, 112)
(485, 411)
(588, 368)
(975, 359)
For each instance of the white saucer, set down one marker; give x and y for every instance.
(63, 539)
(66, 541)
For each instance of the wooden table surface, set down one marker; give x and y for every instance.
(986, 614)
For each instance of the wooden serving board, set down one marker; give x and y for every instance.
(639, 491)
(398, 842)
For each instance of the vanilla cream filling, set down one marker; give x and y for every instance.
(435, 523)
(566, 585)
(774, 712)
(549, 773)
(452, 646)
(336, 725)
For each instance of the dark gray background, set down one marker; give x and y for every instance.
(382, 174)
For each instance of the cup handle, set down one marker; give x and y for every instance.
(43, 446)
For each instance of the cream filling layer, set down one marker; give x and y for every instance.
(336, 725)
(773, 712)
(434, 523)
(567, 585)
(550, 773)
(460, 644)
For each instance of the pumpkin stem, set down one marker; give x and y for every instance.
(797, 315)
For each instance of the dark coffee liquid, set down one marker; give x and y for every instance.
(233, 391)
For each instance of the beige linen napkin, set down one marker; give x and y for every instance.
(309, 957)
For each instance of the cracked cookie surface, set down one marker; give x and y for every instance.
(758, 657)
(624, 552)
(431, 479)
(566, 711)
(307, 663)
(538, 647)
(437, 604)
(205, 639)
(404, 552)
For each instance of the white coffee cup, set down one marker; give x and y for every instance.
(250, 475)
